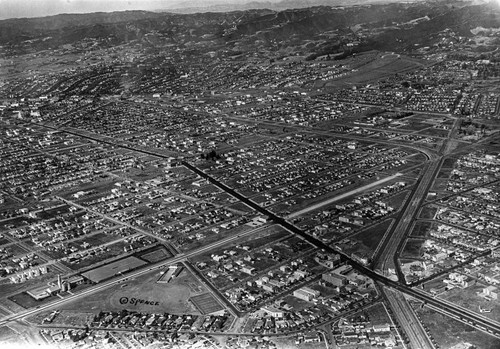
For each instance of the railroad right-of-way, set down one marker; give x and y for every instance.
(480, 322)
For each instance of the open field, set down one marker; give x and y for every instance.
(413, 248)
(9, 338)
(239, 206)
(448, 332)
(155, 255)
(149, 172)
(67, 318)
(371, 237)
(421, 229)
(428, 212)
(439, 186)
(468, 298)
(172, 297)
(397, 200)
(377, 314)
(433, 132)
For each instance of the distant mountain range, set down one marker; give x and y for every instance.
(218, 6)
(384, 25)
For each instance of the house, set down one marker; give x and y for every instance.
(311, 337)
(495, 253)
(272, 311)
(268, 288)
(300, 273)
(492, 278)
(439, 256)
(459, 279)
(381, 328)
(491, 292)
(248, 270)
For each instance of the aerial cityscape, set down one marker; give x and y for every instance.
(272, 175)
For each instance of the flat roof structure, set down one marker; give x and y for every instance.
(39, 293)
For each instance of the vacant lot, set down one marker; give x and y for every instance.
(155, 255)
(421, 229)
(9, 338)
(413, 248)
(428, 212)
(448, 332)
(371, 237)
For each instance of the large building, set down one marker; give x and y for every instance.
(306, 293)
(491, 292)
(172, 272)
(43, 292)
(335, 279)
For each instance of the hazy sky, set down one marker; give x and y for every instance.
(40, 8)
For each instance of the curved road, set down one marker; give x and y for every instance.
(447, 308)
(480, 322)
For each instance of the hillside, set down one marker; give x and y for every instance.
(320, 30)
